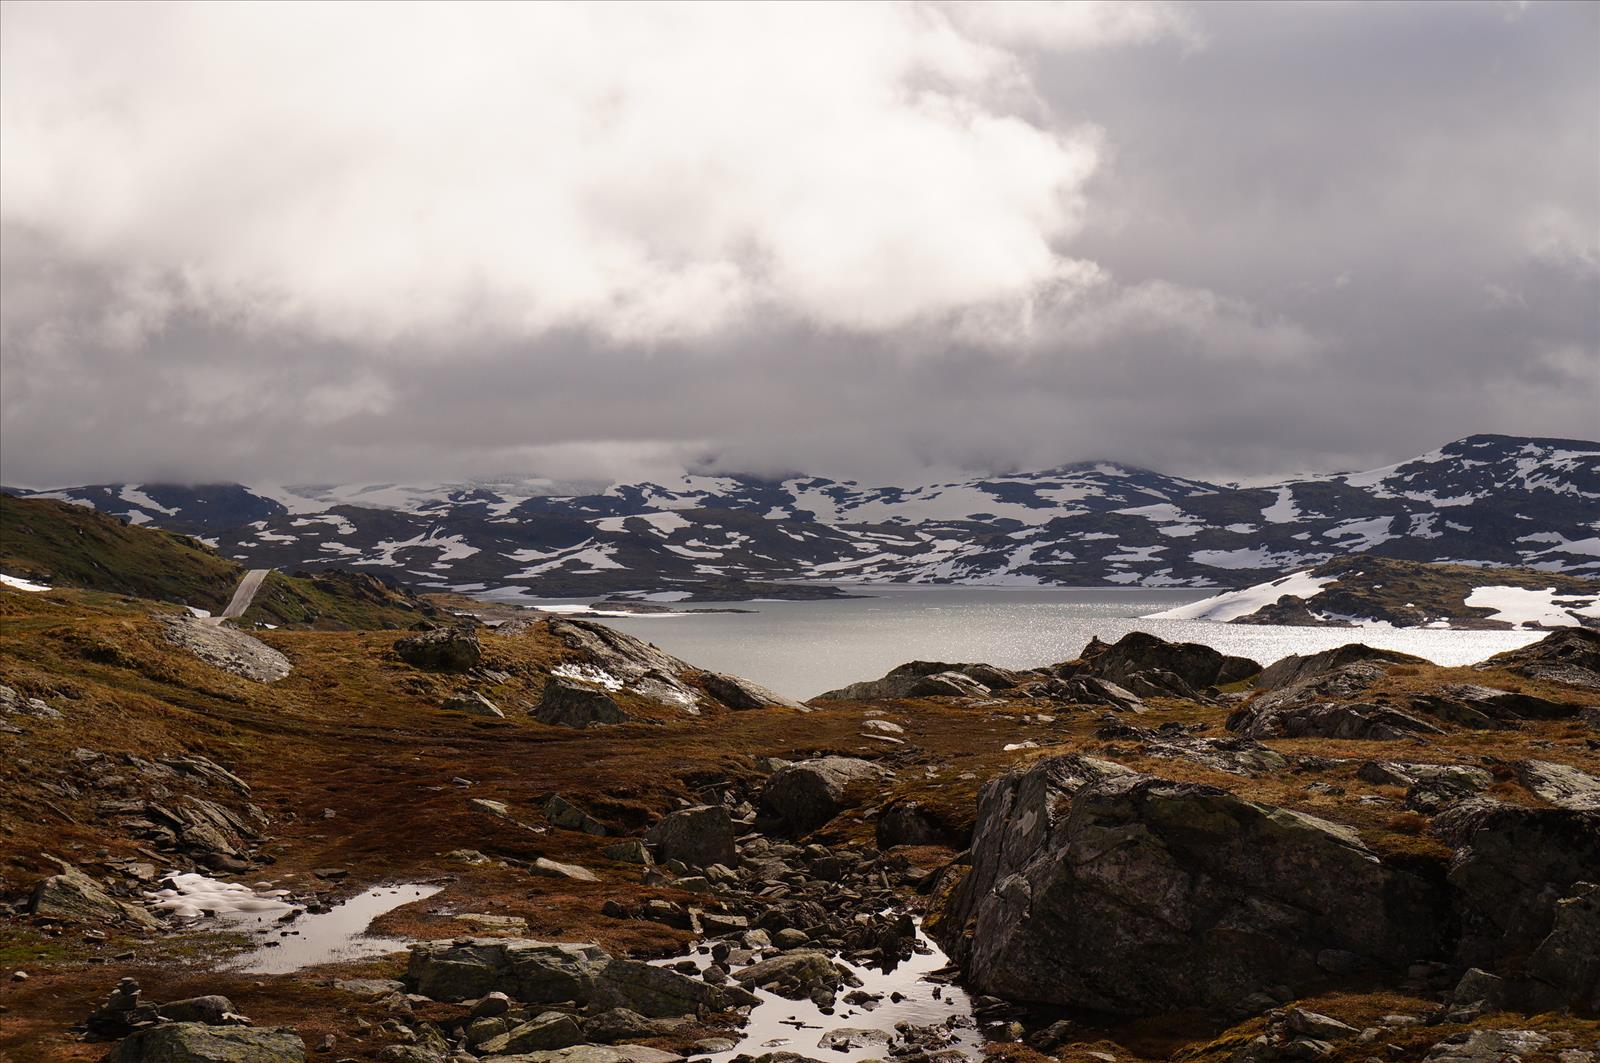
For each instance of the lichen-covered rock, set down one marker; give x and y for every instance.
(698, 836)
(738, 693)
(566, 703)
(226, 648)
(192, 1042)
(1099, 887)
(1561, 784)
(454, 649)
(809, 793)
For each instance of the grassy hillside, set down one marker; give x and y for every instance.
(335, 600)
(66, 545)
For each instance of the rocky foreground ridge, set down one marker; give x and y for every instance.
(1483, 500)
(1152, 851)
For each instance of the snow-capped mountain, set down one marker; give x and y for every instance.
(1487, 500)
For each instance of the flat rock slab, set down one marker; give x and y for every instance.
(226, 648)
(193, 1042)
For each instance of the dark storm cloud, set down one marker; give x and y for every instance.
(1225, 240)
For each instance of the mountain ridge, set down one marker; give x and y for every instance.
(1484, 500)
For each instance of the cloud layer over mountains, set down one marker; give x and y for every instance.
(350, 241)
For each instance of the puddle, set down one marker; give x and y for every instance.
(779, 1024)
(334, 936)
(285, 939)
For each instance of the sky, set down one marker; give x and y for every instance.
(337, 243)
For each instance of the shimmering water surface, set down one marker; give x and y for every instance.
(803, 648)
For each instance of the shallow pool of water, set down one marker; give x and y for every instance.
(335, 936)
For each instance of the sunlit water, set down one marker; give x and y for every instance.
(781, 1025)
(335, 936)
(803, 648)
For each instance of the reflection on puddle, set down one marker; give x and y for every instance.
(289, 940)
(333, 936)
(779, 1024)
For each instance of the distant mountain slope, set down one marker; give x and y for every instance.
(58, 543)
(337, 600)
(1484, 500)
(1364, 589)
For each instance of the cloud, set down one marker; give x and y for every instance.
(351, 241)
(649, 173)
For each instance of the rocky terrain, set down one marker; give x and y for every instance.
(1484, 500)
(1362, 590)
(600, 853)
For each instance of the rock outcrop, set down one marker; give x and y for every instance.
(1099, 887)
(737, 693)
(453, 649)
(1327, 704)
(1141, 659)
(226, 648)
(1570, 656)
(1296, 668)
(928, 679)
(807, 794)
(700, 837)
(566, 703)
(75, 897)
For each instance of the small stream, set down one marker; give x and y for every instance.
(780, 1024)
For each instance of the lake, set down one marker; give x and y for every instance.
(804, 648)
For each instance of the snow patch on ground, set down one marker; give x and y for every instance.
(17, 583)
(1234, 604)
(587, 673)
(191, 895)
(1282, 511)
(1534, 607)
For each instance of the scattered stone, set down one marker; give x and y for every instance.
(552, 869)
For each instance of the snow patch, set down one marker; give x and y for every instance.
(1234, 604)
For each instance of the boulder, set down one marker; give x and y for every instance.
(1560, 784)
(1570, 656)
(213, 1009)
(473, 704)
(568, 816)
(809, 793)
(74, 897)
(1088, 690)
(1487, 1046)
(646, 671)
(1472, 705)
(550, 1029)
(1198, 666)
(546, 868)
(698, 836)
(1352, 720)
(566, 703)
(737, 693)
(1512, 866)
(453, 649)
(1098, 887)
(193, 1042)
(1564, 971)
(1296, 668)
(906, 822)
(539, 972)
(794, 975)
(924, 679)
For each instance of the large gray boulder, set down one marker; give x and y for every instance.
(1197, 666)
(566, 703)
(1295, 668)
(927, 679)
(193, 1042)
(699, 836)
(1095, 886)
(454, 649)
(1512, 867)
(541, 972)
(737, 693)
(644, 670)
(808, 794)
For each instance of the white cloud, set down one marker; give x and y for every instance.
(646, 173)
